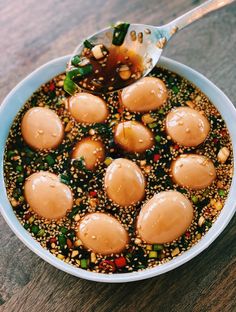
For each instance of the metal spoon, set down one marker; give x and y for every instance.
(151, 40)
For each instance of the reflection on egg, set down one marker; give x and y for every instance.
(147, 94)
(88, 108)
(102, 233)
(91, 151)
(187, 127)
(193, 171)
(47, 196)
(132, 136)
(164, 217)
(124, 182)
(41, 128)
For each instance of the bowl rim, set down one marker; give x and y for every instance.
(57, 66)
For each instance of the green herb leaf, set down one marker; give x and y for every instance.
(75, 60)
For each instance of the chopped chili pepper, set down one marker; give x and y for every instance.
(93, 194)
(156, 157)
(187, 234)
(176, 146)
(52, 86)
(107, 266)
(69, 243)
(120, 262)
(53, 240)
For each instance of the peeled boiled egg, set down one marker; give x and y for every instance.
(164, 217)
(147, 94)
(47, 196)
(102, 233)
(132, 136)
(124, 182)
(91, 151)
(41, 128)
(187, 127)
(88, 108)
(193, 171)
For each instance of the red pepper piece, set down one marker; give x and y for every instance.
(93, 194)
(107, 266)
(53, 240)
(156, 157)
(176, 146)
(187, 234)
(52, 86)
(120, 262)
(215, 140)
(27, 216)
(69, 243)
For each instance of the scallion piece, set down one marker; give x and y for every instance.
(83, 263)
(119, 33)
(79, 72)
(50, 160)
(69, 86)
(75, 60)
(88, 44)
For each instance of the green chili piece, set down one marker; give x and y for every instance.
(119, 33)
(157, 247)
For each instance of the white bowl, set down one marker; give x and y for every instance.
(18, 96)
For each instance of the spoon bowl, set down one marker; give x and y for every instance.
(149, 41)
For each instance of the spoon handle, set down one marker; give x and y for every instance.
(196, 13)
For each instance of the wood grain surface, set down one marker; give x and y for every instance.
(34, 32)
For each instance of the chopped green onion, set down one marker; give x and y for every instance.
(69, 86)
(62, 241)
(88, 44)
(34, 229)
(20, 179)
(10, 154)
(41, 232)
(79, 72)
(152, 125)
(49, 159)
(158, 138)
(73, 212)
(63, 230)
(119, 33)
(83, 263)
(64, 179)
(152, 254)
(221, 193)
(161, 111)
(157, 247)
(26, 226)
(19, 168)
(75, 60)
(194, 199)
(175, 89)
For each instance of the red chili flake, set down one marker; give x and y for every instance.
(27, 216)
(215, 140)
(156, 157)
(223, 133)
(53, 240)
(187, 234)
(107, 266)
(52, 86)
(120, 110)
(120, 262)
(93, 194)
(69, 243)
(176, 147)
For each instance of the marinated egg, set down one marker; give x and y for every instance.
(91, 151)
(124, 182)
(88, 108)
(147, 94)
(102, 233)
(164, 217)
(187, 127)
(132, 136)
(193, 171)
(41, 128)
(47, 196)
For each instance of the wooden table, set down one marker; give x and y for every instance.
(34, 32)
